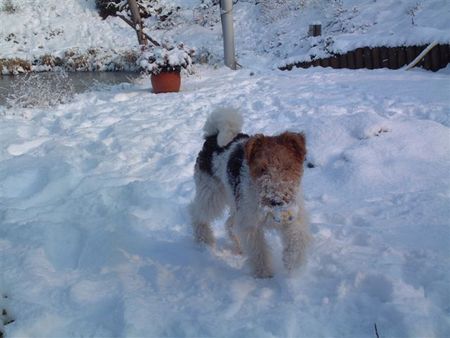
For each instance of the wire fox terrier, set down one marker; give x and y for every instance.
(259, 179)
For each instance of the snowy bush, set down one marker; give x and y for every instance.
(154, 60)
(40, 90)
(8, 7)
(156, 15)
(207, 13)
(106, 7)
(14, 6)
(412, 11)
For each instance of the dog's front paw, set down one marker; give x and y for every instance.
(292, 258)
(203, 234)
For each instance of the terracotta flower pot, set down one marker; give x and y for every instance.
(166, 82)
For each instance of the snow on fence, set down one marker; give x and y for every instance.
(382, 57)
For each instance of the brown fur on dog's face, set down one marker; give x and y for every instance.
(276, 166)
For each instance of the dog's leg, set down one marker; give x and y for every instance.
(231, 221)
(208, 204)
(255, 247)
(296, 239)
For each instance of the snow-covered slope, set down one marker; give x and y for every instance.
(36, 27)
(95, 239)
(268, 33)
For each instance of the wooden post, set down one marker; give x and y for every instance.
(351, 60)
(334, 62)
(376, 61)
(401, 57)
(315, 30)
(392, 62)
(443, 55)
(427, 61)
(434, 58)
(325, 62)
(343, 61)
(137, 22)
(410, 54)
(384, 55)
(367, 55)
(359, 58)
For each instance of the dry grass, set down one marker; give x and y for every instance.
(14, 66)
(93, 59)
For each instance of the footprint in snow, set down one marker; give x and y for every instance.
(23, 148)
(376, 286)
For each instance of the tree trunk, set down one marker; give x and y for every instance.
(137, 21)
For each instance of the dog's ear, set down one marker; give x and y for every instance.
(296, 142)
(252, 145)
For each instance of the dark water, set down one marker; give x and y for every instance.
(80, 81)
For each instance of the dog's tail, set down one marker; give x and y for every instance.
(226, 123)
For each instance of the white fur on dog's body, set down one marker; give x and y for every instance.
(215, 193)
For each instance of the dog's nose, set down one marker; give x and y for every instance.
(276, 203)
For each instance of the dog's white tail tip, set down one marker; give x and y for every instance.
(226, 123)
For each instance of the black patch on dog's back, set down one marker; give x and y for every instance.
(210, 147)
(204, 158)
(234, 166)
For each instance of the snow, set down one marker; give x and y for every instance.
(96, 241)
(51, 27)
(272, 32)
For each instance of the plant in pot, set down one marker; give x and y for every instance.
(165, 63)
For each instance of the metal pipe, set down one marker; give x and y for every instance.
(226, 8)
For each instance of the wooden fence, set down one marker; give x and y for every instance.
(382, 57)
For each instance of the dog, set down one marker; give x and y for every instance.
(259, 179)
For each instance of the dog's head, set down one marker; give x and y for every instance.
(276, 168)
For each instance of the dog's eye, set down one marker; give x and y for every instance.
(262, 171)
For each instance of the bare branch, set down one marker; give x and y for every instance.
(130, 23)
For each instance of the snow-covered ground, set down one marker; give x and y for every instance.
(94, 235)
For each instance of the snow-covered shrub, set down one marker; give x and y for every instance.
(107, 7)
(154, 60)
(40, 90)
(14, 66)
(7, 6)
(14, 6)
(207, 13)
(161, 16)
(156, 14)
(412, 11)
